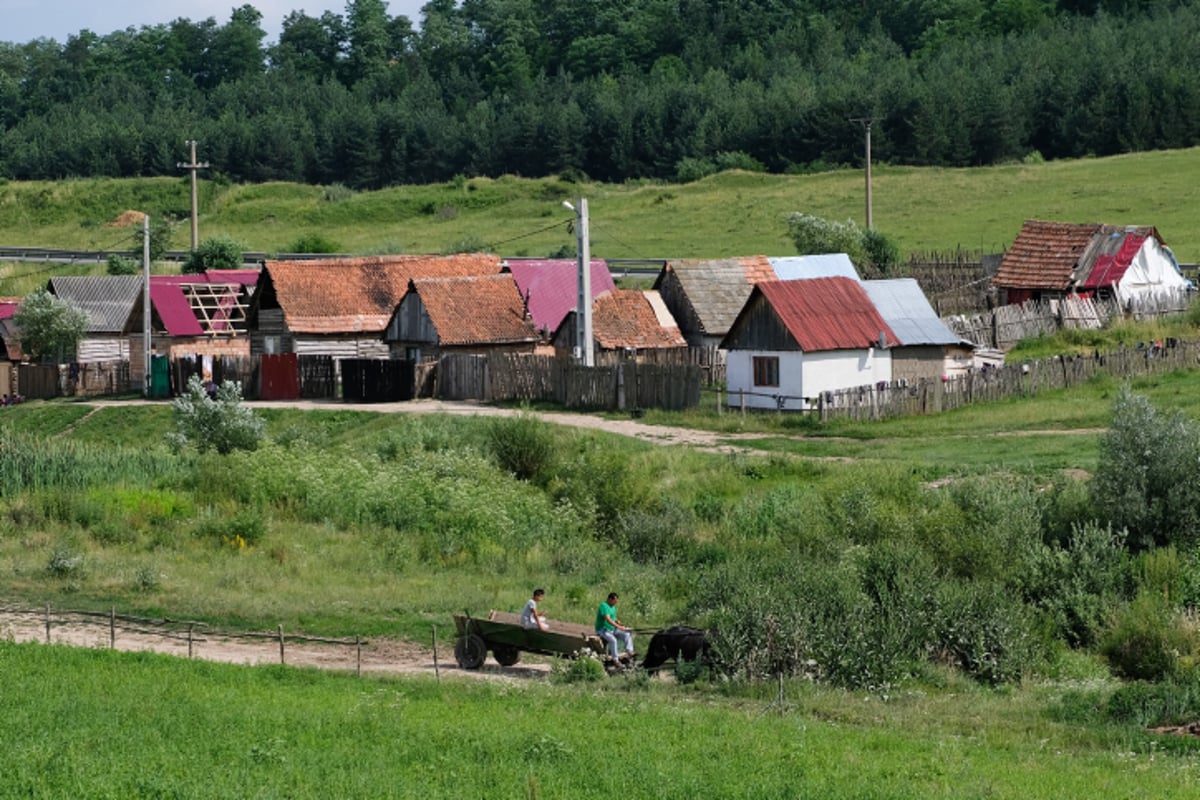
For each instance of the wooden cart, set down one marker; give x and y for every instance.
(502, 634)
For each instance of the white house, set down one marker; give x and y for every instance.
(795, 340)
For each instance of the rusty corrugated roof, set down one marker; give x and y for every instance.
(626, 318)
(352, 295)
(475, 310)
(827, 313)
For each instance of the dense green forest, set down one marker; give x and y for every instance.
(608, 89)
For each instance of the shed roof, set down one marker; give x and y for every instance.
(1059, 255)
(551, 286)
(826, 265)
(630, 318)
(717, 288)
(827, 313)
(477, 309)
(908, 313)
(353, 295)
(108, 300)
(170, 300)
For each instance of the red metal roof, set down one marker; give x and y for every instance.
(551, 286)
(352, 295)
(827, 313)
(475, 310)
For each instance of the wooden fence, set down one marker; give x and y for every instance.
(1003, 327)
(1009, 381)
(192, 632)
(624, 385)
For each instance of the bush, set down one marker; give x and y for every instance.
(220, 252)
(1173, 702)
(1148, 476)
(313, 243)
(585, 667)
(688, 170)
(218, 423)
(985, 632)
(522, 445)
(1144, 640)
(738, 160)
(120, 265)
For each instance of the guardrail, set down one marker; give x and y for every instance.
(618, 267)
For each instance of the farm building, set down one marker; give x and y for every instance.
(795, 340)
(476, 314)
(109, 302)
(705, 296)
(12, 345)
(197, 314)
(625, 321)
(340, 307)
(550, 287)
(927, 349)
(1050, 260)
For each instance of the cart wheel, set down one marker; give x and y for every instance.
(470, 651)
(505, 654)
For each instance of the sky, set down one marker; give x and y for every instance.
(24, 20)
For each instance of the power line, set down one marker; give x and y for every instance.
(494, 245)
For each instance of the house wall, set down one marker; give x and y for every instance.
(681, 309)
(924, 362)
(410, 323)
(803, 376)
(102, 348)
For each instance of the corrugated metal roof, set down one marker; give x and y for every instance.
(551, 286)
(173, 309)
(627, 318)
(108, 300)
(827, 265)
(475, 310)
(908, 313)
(717, 289)
(359, 295)
(9, 306)
(827, 314)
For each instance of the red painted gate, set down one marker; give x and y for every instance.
(280, 377)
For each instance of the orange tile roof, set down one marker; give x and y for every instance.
(624, 318)
(1044, 255)
(352, 295)
(476, 310)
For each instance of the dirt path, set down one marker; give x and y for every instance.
(378, 656)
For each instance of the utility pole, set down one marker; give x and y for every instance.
(193, 166)
(584, 346)
(146, 304)
(866, 123)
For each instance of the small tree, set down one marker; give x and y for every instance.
(49, 327)
(120, 265)
(873, 253)
(219, 252)
(217, 422)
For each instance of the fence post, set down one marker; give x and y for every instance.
(436, 674)
(742, 398)
(357, 655)
(189, 640)
(47, 623)
(281, 660)
(112, 627)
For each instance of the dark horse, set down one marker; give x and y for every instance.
(679, 641)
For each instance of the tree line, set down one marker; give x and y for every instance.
(610, 90)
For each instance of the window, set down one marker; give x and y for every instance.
(766, 370)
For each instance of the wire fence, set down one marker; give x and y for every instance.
(192, 632)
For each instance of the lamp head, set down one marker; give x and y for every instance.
(567, 205)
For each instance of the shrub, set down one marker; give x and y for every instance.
(585, 667)
(985, 632)
(241, 528)
(689, 170)
(219, 252)
(66, 561)
(1148, 476)
(736, 159)
(313, 243)
(1172, 702)
(222, 423)
(1144, 640)
(120, 265)
(522, 445)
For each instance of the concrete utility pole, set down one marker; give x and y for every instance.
(866, 123)
(193, 166)
(583, 301)
(146, 303)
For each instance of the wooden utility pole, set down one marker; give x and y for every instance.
(193, 166)
(866, 123)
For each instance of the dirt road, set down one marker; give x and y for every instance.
(377, 656)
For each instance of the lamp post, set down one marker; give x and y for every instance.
(584, 346)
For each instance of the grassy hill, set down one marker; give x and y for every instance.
(729, 214)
